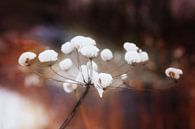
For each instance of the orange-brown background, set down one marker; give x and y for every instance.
(161, 27)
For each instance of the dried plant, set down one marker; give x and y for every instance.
(78, 67)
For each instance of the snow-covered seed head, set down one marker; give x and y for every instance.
(89, 41)
(173, 72)
(94, 65)
(89, 51)
(104, 80)
(106, 55)
(132, 57)
(68, 88)
(130, 46)
(65, 64)
(48, 56)
(143, 56)
(67, 48)
(77, 41)
(124, 76)
(81, 41)
(26, 58)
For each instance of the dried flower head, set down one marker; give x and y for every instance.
(89, 51)
(143, 56)
(134, 54)
(106, 54)
(173, 72)
(48, 56)
(132, 57)
(130, 46)
(104, 80)
(87, 74)
(67, 48)
(65, 64)
(26, 58)
(81, 41)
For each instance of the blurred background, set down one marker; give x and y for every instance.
(164, 28)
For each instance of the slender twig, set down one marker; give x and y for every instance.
(79, 63)
(91, 69)
(121, 86)
(117, 76)
(75, 108)
(62, 81)
(53, 79)
(76, 63)
(83, 113)
(126, 72)
(53, 70)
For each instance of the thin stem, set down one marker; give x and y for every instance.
(121, 86)
(53, 70)
(128, 88)
(91, 69)
(53, 79)
(76, 63)
(78, 59)
(75, 108)
(79, 64)
(83, 113)
(116, 76)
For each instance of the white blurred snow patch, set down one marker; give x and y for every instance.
(18, 112)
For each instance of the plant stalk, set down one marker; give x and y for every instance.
(75, 108)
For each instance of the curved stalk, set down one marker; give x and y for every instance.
(54, 71)
(75, 108)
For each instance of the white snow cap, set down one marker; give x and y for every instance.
(94, 65)
(65, 64)
(132, 57)
(67, 48)
(130, 46)
(26, 58)
(106, 55)
(104, 80)
(48, 56)
(124, 76)
(143, 56)
(173, 72)
(68, 88)
(89, 51)
(81, 41)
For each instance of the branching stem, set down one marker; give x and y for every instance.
(75, 108)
